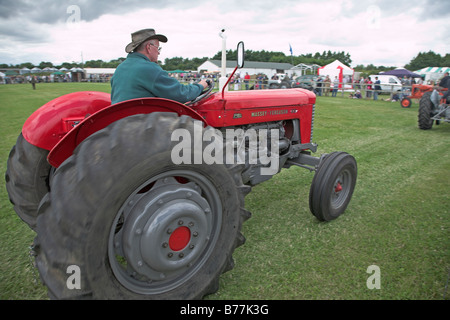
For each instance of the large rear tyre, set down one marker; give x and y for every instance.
(332, 186)
(425, 112)
(27, 179)
(136, 225)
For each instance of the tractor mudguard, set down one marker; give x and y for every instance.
(104, 117)
(48, 124)
(435, 98)
(63, 123)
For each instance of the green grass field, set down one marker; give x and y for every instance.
(398, 218)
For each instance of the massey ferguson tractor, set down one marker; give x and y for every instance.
(144, 199)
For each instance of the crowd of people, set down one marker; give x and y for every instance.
(365, 87)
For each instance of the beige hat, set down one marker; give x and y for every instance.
(141, 36)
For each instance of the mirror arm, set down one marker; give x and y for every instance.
(228, 81)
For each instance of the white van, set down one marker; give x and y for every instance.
(388, 83)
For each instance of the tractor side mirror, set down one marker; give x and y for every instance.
(240, 64)
(240, 54)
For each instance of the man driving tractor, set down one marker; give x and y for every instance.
(140, 76)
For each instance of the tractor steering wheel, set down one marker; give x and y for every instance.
(206, 93)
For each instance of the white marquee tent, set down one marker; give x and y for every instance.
(337, 69)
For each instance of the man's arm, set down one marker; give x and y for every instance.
(169, 88)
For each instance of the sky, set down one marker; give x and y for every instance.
(379, 32)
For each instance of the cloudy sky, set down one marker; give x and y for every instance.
(381, 32)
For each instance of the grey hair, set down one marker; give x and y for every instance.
(143, 45)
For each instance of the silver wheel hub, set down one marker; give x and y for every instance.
(166, 229)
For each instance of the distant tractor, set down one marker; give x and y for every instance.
(417, 91)
(432, 108)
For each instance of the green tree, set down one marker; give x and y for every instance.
(43, 65)
(425, 59)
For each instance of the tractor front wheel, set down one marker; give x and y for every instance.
(332, 186)
(406, 103)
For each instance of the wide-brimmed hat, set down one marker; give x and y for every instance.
(141, 36)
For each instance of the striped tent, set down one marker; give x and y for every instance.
(432, 73)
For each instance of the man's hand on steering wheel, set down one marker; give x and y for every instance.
(204, 83)
(208, 85)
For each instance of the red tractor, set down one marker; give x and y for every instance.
(417, 91)
(145, 198)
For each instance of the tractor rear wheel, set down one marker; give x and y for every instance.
(27, 179)
(425, 112)
(332, 186)
(136, 225)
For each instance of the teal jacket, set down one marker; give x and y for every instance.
(138, 77)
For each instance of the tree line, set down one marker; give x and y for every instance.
(422, 60)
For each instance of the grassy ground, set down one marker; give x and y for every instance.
(397, 220)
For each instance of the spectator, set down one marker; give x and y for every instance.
(377, 88)
(319, 86)
(369, 88)
(33, 82)
(420, 81)
(335, 86)
(327, 84)
(246, 80)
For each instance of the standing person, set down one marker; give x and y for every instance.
(33, 82)
(319, 86)
(335, 86)
(327, 84)
(265, 80)
(246, 80)
(377, 88)
(420, 80)
(369, 88)
(140, 76)
(260, 79)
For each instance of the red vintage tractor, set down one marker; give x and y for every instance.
(417, 92)
(127, 198)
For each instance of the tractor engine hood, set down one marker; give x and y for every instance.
(253, 106)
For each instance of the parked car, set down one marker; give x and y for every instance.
(307, 81)
(387, 82)
(281, 81)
